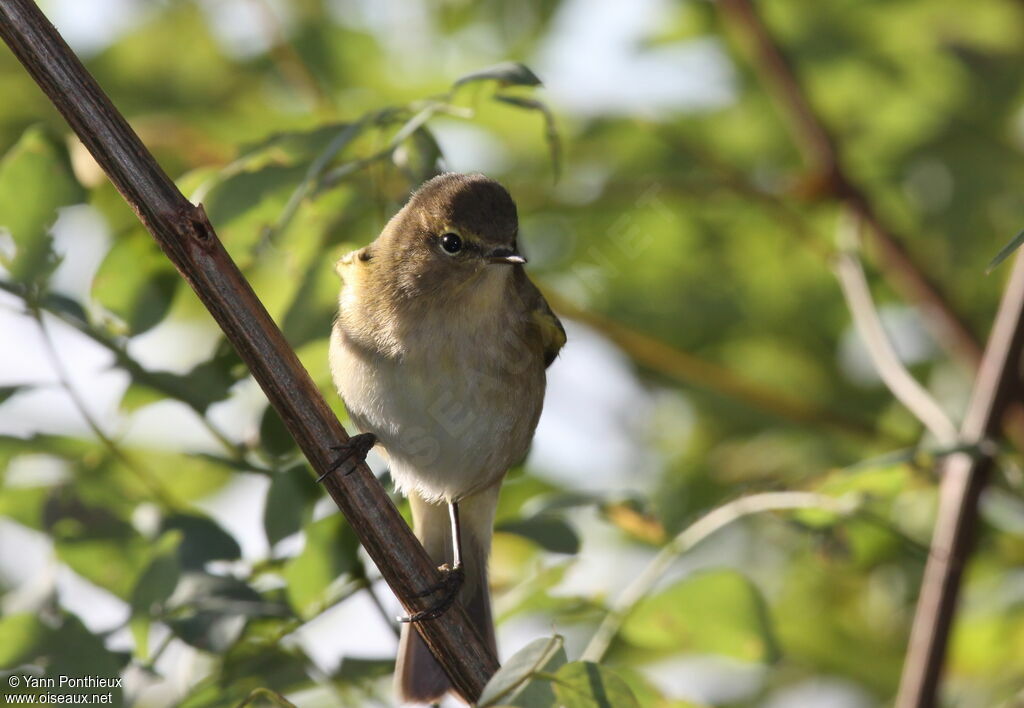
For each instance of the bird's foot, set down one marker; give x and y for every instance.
(357, 446)
(451, 583)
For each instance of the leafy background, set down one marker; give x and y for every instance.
(157, 523)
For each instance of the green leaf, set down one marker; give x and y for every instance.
(1003, 510)
(118, 215)
(274, 436)
(22, 633)
(508, 73)
(95, 543)
(110, 564)
(209, 631)
(63, 305)
(210, 612)
(289, 503)
(250, 666)
(8, 391)
(62, 645)
(313, 306)
(140, 625)
(646, 693)
(242, 203)
(206, 384)
(160, 577)
(184, 477)
(35, 180)
(687, 20)
(419, 157)
(354, 669)
(70, 649)
(136, 281)
(550, 532)
(217, 592)
(883, 482)
(329, 553)
(1005, 252)
(314, 171)
(546, 655)
(550, 128)
(920, 457)
(258, 659)
(203, 540)
(23, 504)
(136, 397)
(288, 147)
(712, 612)
(323, 179)
(583, 684)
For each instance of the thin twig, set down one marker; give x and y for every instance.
(385, 615)
(553, 646)
(154, 657)
(144, 475)
(125, 361)
(963, 479)
(268, 693)
(901, 384)
(417, 121)
(690, 537)
(188, 239)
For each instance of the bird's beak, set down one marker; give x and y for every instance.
(505, 255)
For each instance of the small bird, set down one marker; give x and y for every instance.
(439, 352)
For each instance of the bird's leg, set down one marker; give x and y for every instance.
(451, 583)
(357, 446)
(453, 514)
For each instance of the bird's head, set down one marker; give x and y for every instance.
(454, 229)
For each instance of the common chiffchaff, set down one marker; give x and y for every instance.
(439, 352)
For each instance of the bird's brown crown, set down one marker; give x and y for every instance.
(473, 205)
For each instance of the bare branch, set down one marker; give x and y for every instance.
(901, 384)
(995, 400)
(188, 239)
(145, 476)
(963, 479)
(690, 537)
(998, 375)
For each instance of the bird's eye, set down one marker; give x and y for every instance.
(451, 243)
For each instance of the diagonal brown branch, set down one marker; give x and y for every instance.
(188, 239)
(823, 158)
(963, 479)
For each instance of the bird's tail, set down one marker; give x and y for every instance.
(418, 676)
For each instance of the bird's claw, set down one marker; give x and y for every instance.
(357, 446)
(451, 583)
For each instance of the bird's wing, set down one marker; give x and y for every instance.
(550, 329)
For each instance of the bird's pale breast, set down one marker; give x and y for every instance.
(457, 405)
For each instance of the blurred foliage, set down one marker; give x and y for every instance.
(688, 235)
